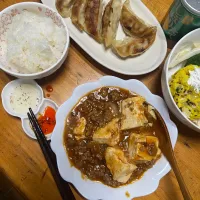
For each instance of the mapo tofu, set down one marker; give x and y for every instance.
(110, 136)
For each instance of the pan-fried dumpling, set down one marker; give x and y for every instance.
(78, 14)
(110, 21)
(93, 15)
(64, 7)
(132, 46)
(141, 35)
(133, 25)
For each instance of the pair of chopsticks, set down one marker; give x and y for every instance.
(65, 192)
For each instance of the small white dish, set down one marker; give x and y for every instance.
(139, 65)
(25, 121)
(8, 90)
(6, 17)
(43, 103)
(95, 190)
(192, 37)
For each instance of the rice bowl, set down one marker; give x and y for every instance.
(34, 42)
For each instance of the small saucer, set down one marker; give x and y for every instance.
(8, 90)
(43, 103)
(25, 121)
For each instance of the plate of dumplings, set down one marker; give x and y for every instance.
(123, 36)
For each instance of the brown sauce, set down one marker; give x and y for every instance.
(127, 194)
(98, 108)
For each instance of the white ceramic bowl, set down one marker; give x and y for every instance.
(95, 190)
(6, 18)
(193, 36)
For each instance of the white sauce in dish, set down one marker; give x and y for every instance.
(23, 97)
(34, 43)
(194, 79)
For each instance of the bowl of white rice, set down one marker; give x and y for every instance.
(34, 40)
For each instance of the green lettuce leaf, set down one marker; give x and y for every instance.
(194, 60)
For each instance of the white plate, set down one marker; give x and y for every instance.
(143, 64)
(95, 190)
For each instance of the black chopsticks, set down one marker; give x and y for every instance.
(65, 192)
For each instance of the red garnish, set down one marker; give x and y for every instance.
(47, 121)
(49, 88)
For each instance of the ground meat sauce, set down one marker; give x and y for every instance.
(98, 108)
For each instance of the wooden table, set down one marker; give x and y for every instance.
(23, 171)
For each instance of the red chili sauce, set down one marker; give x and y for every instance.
(49, 88)
(47, 121)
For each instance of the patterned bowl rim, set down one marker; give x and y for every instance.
(39, 5)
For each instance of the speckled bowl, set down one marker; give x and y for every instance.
(6, 17)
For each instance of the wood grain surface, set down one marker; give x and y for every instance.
(23, 170)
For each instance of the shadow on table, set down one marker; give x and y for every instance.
(7, 190)
(184, 130)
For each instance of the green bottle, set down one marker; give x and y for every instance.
(183, 17)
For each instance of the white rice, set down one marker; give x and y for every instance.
(34, 43)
